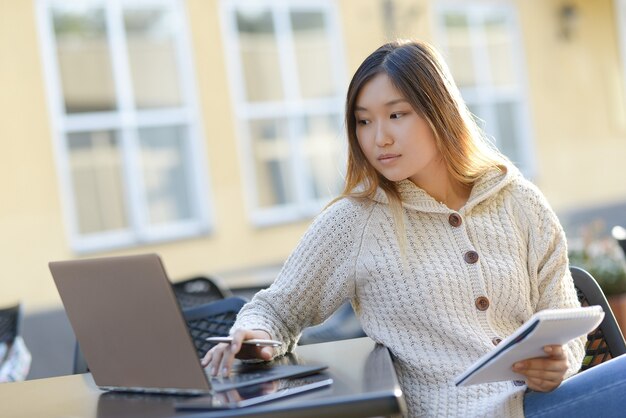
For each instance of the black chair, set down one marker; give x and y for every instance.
(213, 319)
(198, 291)
(9, 323)
(15, 360)
(606, 341)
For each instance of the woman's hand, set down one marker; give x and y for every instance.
(220, 358)
(544, 374)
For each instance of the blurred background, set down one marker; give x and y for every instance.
(211, 132)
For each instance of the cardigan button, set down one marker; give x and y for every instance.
(496, 340)
(455, 220)
(482, 303)
(470, 257)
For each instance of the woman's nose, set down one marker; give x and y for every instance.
(383, 137)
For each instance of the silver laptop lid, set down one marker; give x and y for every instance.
(128, 323)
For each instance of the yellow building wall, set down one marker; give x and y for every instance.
(576, 101)
(31, 230)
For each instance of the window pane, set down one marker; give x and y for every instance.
(460, 49)
(508, 135)
(271, 152)
(152, 57)
(165, 174)
(259, 54)
(499, 46)
(313, 54)
(84, 58)
(96, 171)
(323, 151)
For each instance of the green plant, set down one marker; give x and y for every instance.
(601, 256)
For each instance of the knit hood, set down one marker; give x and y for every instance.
(415, 198)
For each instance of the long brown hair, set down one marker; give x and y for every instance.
(421, 76)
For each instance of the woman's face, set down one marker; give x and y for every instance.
(396, 141)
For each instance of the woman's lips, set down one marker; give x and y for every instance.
(388, 158)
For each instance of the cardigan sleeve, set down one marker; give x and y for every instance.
(315, 280)
(549, 268)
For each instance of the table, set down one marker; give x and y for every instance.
(365, 385)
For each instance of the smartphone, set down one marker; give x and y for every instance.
(255, 341)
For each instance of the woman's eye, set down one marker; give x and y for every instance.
(396, 115)
(362, 121)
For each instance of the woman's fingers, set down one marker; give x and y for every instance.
(220, 358)
(535, 368)
(544, 373)
(207, 358)
(231, 351)
(266, 353)
(216, 358)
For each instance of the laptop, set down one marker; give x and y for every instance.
(132, 332)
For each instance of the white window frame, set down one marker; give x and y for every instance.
(290, 107)
(485, 93)
(620, 17)
(126, 120)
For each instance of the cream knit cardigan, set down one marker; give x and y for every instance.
(424, 309)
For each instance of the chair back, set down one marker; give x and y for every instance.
(213, 319)
(606, 341)
(9, 323)
(15, 357)
(198, 291)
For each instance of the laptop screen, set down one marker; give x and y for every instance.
(129, 325)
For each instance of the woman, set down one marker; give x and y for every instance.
(440, 244)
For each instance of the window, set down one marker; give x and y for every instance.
(286, 67)
(620, 7)
(125, 121)
(482, 47)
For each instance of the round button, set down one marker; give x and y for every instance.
(519, 382)
(471, 257)
(455, 220)
(496, 340)
(482, 303)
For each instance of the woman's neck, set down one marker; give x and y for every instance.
(455, 196)
(442, 187)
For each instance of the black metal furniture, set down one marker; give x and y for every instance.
(606, 341)
(198, 291)
(15, 358)
(9, 323)
(212, 319)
